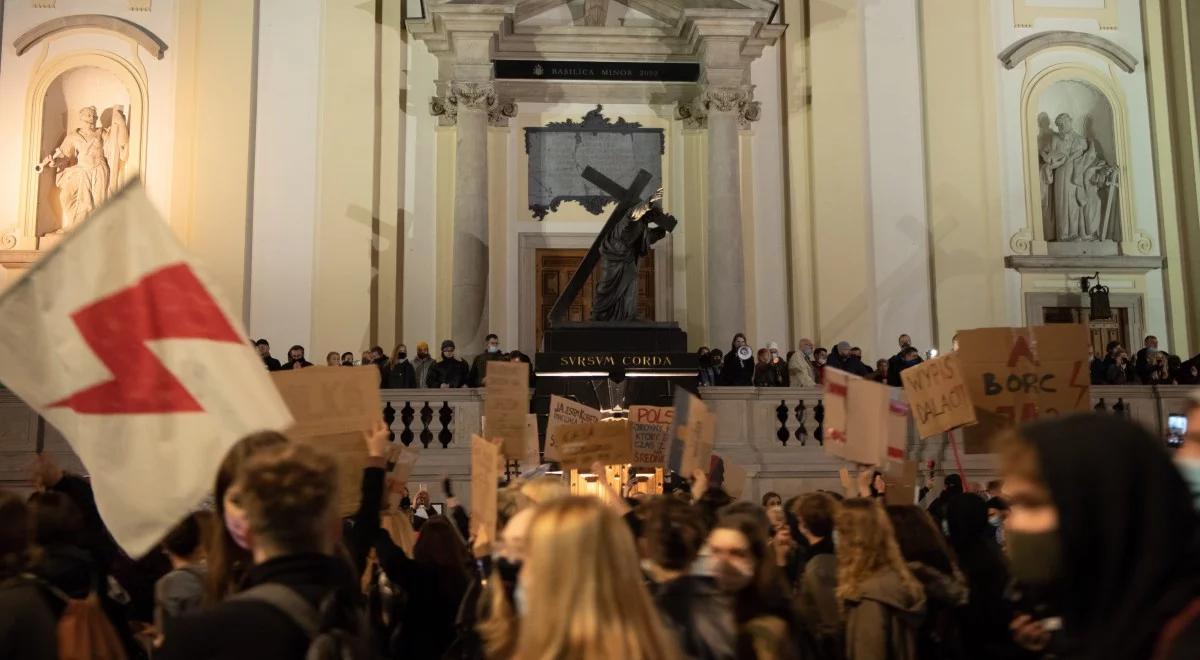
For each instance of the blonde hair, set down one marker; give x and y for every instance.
(544, 489)
(584, 590)
(867, 546)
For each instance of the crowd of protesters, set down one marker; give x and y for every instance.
(1088, 547)
(399, 371)
(805, 366)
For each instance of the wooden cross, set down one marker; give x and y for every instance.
(626, 198)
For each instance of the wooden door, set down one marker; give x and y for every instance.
(1102, 331)
(556, 267)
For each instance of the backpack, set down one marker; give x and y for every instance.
(326, 642)
(84, 631)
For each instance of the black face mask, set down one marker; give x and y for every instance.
(402, 355)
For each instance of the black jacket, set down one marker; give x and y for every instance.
(401, 375)
(895, 366)
(251, 629)
(479, 367)
(272, 364)
(736, 371)
(434, 596)
(28, 625)
(700, 615)
(452, 372)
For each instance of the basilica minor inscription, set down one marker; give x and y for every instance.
(559, 152)
(626, 71)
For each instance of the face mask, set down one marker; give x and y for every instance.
(994, 521)
(808, 353)
(732, 577)
(1036, 558)
(946, 528)
(402, 355)
(238, 527)
(1190, 469)
(493, 349)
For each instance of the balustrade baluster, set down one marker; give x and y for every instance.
(801, 420)
(1101, 407)
(819, 415)
(446, 416)
(426, 419)
(406, 418)
(781, 414)
(389, 416)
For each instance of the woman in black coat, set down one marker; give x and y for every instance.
(738, 369)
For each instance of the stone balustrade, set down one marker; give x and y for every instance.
(774, 433)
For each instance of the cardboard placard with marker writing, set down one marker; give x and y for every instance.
(562, 412)
(938, 396)
(507, 405)
(485, 475)
(332, 409)
(865, 422)
(692, 435)
(1015, 375)
(650, 426)
(606, 442)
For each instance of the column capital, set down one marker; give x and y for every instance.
(712, 98)
(473, 96)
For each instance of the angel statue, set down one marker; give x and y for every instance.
(90, 164)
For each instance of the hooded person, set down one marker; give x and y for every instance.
(421, 364)
(987, 614)
(1102, 523)
(937, 508)
(449, 372)
(738, 368)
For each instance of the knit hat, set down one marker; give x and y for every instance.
(449, 343)
(843, 346)
(772, 346)
(422, 346)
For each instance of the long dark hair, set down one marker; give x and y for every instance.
(17, 552)
(765, 593)
(440, 545)
(919, 539)
(227, 561)
(733, 343)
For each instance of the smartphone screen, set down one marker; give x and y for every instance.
(1176, 429)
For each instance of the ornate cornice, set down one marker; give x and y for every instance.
(473, 96)
(738, 100)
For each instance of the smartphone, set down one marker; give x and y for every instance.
(1177, 427)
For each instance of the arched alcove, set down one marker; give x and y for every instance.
(58, 90)
(1098, 147)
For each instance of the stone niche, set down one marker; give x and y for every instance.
(1079, 179)
(64, 194)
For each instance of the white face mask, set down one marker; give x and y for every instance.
(493, 349)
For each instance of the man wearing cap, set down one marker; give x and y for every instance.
(449, 372)
(422, 364)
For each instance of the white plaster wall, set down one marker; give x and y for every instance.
(899, 226)
(1138, 172)
(770, 291)
(420, 201)
(285, 172)
(16, 75)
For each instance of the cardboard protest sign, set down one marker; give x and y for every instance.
(332, 409)
(1015, 375)
(837, 387)
(562, 412)
(901, 480)
(485, 474)
(507, 404)
(937, 393)
(873, 418)
(604, 442)
(403, 461)
(895, 439)
(530, 455)
(649, 426)
(692, 435)
(735, 480)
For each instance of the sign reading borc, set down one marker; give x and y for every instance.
(1016, 375)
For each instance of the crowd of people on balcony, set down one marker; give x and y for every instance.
(1058, 559)
(804, 366)
(401, 372)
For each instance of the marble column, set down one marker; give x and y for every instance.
(470, 106)
(723, 110)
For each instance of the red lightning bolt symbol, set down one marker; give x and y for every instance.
(1075, 384)
(167, 304)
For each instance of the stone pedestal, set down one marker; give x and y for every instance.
(1082, 249)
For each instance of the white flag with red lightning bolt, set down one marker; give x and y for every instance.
(116, 339)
